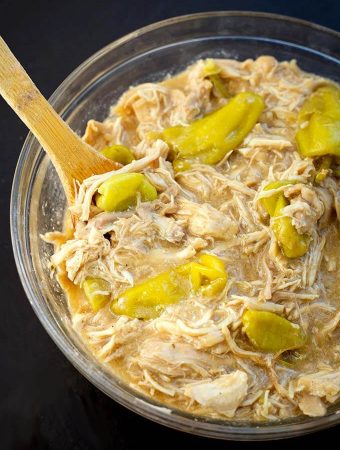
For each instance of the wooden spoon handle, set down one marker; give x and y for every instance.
(24, 97)
(72, 158)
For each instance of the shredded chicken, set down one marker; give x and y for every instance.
(312, 405)
(174, 359)
(223, 395)
(205, 220)
(305, 207)
(324, 384)
(196, 355)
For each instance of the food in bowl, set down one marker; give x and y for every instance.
(204, 271)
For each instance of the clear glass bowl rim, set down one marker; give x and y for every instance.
(123, 395)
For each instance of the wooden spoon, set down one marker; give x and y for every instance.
(72, 158)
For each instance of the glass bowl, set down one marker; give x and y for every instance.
(38, 202)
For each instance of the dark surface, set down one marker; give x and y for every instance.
(44, 402)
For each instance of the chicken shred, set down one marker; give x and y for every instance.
(223, 395)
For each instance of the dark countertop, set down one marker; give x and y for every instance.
(44, 402)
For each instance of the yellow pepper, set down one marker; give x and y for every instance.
(97, 292)
(218, 84)
(148, 299)
(319, 120)
(118, 153)
(269, 203)
(211, 71)
(208, 276)
(271, 333)
(324, 168)
(120, 191)
(210, 139)
(291, 242)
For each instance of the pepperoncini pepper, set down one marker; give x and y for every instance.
(210, 139)
(211, 71)
(323, 168)
(148, 299)
(118, 153)
(120, 191)
(269, 203)
(271, 333)
(319, 120)
(97, 292)
(291, 242)
(208, 276)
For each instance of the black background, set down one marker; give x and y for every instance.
(44, 402)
